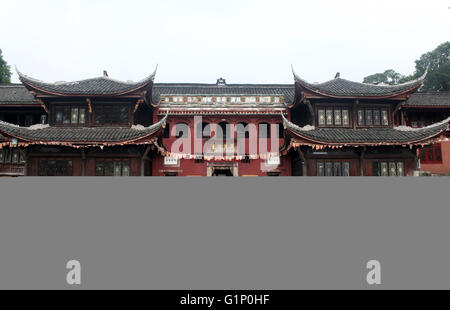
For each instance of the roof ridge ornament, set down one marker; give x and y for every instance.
(97, 86)
(221, 82)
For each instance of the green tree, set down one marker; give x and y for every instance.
(438, 78)
(438, 64)
(387, 77)
(5, 71)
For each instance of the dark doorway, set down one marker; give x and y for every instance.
(222, 172)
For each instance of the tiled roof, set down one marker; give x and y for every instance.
(431, 100)
(15, 94)
(369, 136)
(81, 135)
(343, 88)
(169, 89)
(103, 85)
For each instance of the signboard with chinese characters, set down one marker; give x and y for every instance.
(170, 161)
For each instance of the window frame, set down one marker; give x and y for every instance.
(323, 111)
(435, 150)
(379, 165)
(98, 106)
(61, 107)
(337, 167)
(45, 164)
(112, 163)
(370, 110)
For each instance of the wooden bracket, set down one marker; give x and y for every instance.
(137, 104)
(398, 107)
(44, 106)
(89, 104)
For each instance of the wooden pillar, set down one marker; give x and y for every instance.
(355, 113)
(83, 162)
(143, 159)
(235, 170)
(209, 170)
(362, 161)
(402, 118)
(24, 156)
(417, 155)
(303, 159)
(311, 111)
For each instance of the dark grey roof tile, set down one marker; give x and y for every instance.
(345, 88)
(15, 94)
(384, 136)
(433, 99)
(103, 85)
(79, 134)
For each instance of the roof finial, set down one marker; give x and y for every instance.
(105, 73)
(221, 82)
(338, 75)
(294, 74)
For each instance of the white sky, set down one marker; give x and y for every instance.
(244, 41)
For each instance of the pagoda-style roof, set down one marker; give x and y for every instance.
(16, 95)
(342, 88)
(431, 100)
(221, 88)
(103, 86)
(81, 136)
(339, 137)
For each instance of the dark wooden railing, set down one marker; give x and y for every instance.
(12, 169)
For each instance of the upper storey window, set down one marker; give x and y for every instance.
(70, 115)
(333, 117)
(373, 117)
(112, 114)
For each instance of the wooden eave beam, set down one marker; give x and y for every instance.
(44, 106)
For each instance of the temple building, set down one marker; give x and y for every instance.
(105, 127)
(424, 109)
(94, 127)
(346, 128)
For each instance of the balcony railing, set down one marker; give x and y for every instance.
(12, 169)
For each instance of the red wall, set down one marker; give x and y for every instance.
(188, 167)
(439, 168)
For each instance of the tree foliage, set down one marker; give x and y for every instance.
(5, 71)
(438, 77)
(387, 77)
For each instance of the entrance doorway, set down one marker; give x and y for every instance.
(222, 169)
(222, 172)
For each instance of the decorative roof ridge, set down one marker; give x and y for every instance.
(11, 85)
(9, 124)
(225, 86)
(440, 93)
(80, 136)
(288, 123)
(38, 127)
(408, 128)
(412, 82)
(146, 79)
